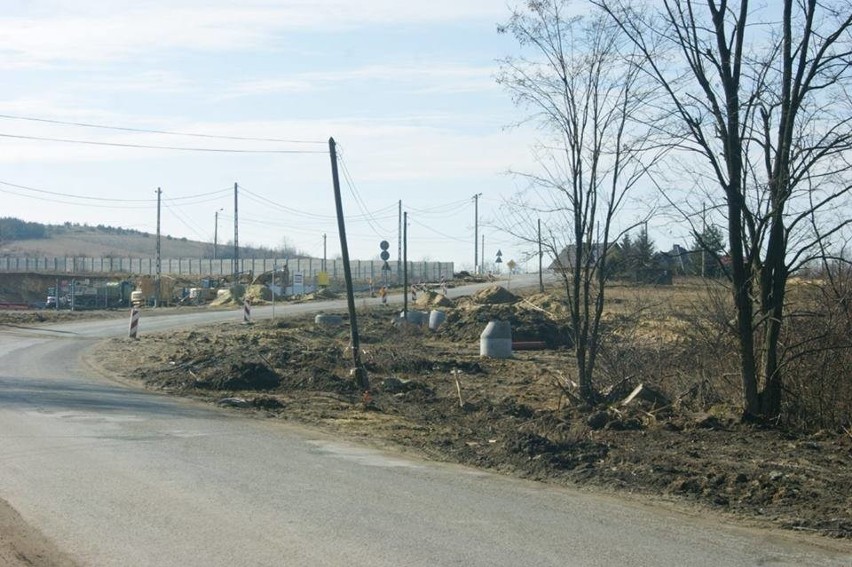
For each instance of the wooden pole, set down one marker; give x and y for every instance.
(405, 266)
(159, 265)
(360, 372)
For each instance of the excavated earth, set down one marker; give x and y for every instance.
(433, 395)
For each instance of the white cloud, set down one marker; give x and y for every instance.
(88, 31)
(434, 78)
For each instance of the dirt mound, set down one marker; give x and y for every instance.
(257, 293)
(322, 293)
(554, 306)
(432, 299)
(239, 375)
(494, 295)
(223, 297)
(528, 324)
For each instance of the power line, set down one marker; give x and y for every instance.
(184, 221)
(77, 204)
(193, 198)
(441, 209)
(155, 147)
(15, 185)
(198, 195)
(427, 227)
(148, 131)
(359, 201)
(315, 216)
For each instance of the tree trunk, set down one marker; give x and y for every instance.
(740, 277)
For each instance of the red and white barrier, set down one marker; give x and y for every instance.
(134, 322)
(246, 311)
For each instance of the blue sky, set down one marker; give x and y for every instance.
(406, 89)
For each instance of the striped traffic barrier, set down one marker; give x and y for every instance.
(246, 311)
(134, 322)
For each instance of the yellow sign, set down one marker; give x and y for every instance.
(322, 279)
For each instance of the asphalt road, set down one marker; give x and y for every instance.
(118, 476)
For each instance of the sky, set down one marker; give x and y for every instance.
(407, 90)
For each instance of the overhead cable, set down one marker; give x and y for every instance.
(156, 147)
(167, 132)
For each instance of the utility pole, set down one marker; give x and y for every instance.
(236, 238)
(157, 281)
(399, 244)
(483, 250)
(360, 372)
(476, 233)
(216, 234)
(405, 266)
(540, 255)
(324, 250)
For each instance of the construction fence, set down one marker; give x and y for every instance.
(362, 270)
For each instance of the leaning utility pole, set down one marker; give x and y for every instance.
(236, 239)
(157, 281)
(360, 372)
(476, 233)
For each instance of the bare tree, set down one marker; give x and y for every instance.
(585, 96)
(762, 97)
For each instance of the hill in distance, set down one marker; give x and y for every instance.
(26, 239)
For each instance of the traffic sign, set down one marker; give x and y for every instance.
(384, 245)
(384, 256)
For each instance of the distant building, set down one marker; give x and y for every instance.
(565, 259)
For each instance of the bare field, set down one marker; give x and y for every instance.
(679, 439)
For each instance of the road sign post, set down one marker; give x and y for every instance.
(385, 256)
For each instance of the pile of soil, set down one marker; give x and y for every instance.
(223, 298)
(257, 293)
(494, 295)
(431, 299)
(321, 294)
(466, 323)
(432, 394)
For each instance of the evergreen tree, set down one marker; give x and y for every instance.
(708, 246)
(644, 249)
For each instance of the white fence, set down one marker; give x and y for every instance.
(362, 270)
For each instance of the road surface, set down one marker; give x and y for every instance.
(114, 475)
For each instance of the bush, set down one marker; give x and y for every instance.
(818, 354)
